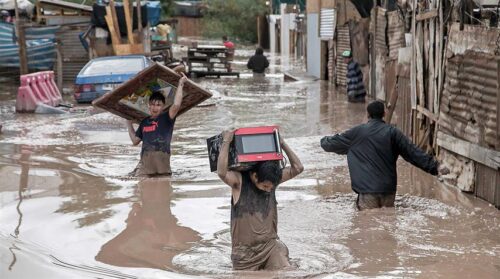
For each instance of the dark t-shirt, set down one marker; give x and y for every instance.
(156, 133)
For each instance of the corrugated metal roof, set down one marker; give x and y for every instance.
(66, 5)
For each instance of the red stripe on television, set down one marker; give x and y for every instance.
(260, 157)
(256, 130)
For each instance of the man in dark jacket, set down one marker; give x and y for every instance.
(258, 63)
(372, 151)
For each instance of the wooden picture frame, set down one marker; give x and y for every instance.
(115, 101)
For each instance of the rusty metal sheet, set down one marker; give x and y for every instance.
(395, 33)
(359, 37)
(343, 43)
(73, 54)
(473, 37)
(128, 99)
(469, 100)
(380, 32)
(403, 105)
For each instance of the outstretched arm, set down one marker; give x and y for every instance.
(231, 178)
(339, 143)
(176, 106)
(295, 167)
(414, 155)
(131, 133)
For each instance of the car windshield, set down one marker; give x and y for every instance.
(115, 66)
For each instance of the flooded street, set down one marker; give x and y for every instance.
(68, 208)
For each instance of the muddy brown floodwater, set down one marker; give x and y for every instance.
(69, 210)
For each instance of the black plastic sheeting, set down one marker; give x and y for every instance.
(99, 11)
(364, 7)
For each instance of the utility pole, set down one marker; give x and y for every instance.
(21, 42)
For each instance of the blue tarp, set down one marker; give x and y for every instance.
(40, 47)
(154, 12)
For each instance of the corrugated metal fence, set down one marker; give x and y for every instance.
(343, 43)
(73, 53)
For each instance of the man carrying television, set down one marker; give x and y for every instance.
(254, 215)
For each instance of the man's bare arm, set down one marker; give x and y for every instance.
(176, 106)
(231, 178)
(135, 140)
(295, 167)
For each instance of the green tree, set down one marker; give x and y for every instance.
(235, 18)
(167, 8)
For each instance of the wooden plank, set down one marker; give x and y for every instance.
(419, 40)
(497, 191)
(427, 15)
(125, 49)
(487, 157)
(391, 105)
(413, 68)
(21, 41)
(487, 184)
(109, 21)
(60, 72)
(128, 21)
(429, 114)
(498, 107)
(114, 18)
(139, 18)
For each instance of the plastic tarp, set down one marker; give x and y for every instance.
(40, 44)
(21, 4)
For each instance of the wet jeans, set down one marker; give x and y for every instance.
(154, 163)
(370, 201)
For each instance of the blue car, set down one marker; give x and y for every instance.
(103, 74)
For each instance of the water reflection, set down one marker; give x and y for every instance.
(152, 237)
(371, 244)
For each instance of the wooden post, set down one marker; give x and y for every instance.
(59, 68)
(413, 72)
(21, 41)
(139, 18)
(115, 39)
(114, 18)
(498, 106)
(128, 21)
(373, 59)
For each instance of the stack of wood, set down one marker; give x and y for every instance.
(132, 47)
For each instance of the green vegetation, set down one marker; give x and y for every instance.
(235, 18)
